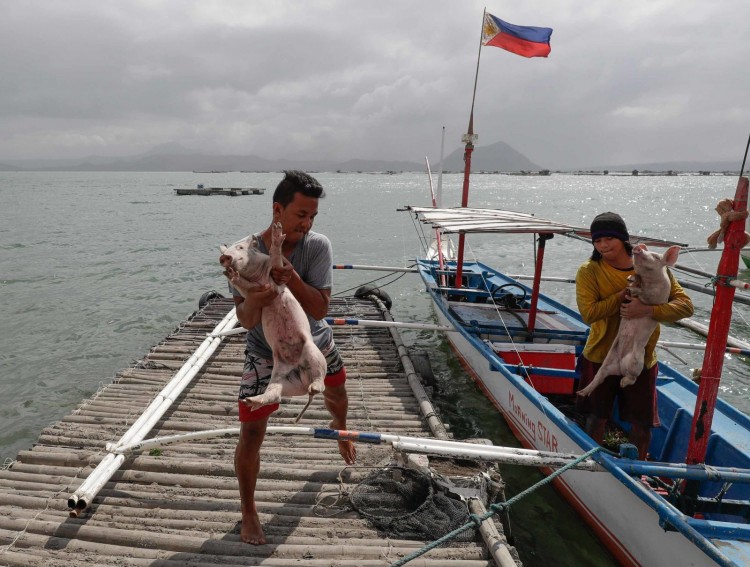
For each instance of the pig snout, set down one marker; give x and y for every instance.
(225, 260)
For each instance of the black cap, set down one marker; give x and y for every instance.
(609, 224)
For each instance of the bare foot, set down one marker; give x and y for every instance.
(251, 531)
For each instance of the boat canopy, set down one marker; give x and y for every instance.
(465, 220)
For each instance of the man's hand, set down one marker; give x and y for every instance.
(634, 309)
(282, 275)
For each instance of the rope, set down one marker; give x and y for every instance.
(476, 520)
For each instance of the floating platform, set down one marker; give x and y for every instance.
(179, 505)
(230, 191)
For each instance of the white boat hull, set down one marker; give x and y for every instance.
(625, 524)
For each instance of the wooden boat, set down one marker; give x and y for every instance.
(521, 347)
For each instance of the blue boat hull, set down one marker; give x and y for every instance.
(633, 519)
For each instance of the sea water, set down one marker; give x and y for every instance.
(95, 268)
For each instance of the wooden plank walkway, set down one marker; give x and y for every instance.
(181, 507)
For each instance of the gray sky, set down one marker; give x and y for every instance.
(627, 81)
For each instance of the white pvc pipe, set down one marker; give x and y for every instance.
(357, 323)
(169, 439)
(487, 454)
(544, 278)
(88, 490)
(227, 333)
(459, 449)
(397, 324)
(373, 268)
(180, 380)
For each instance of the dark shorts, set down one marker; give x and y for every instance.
(636, 403)
(257, 374)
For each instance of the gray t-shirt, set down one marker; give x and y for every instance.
(312, 259)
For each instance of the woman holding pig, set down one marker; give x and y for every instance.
(601, 294)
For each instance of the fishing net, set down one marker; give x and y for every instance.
(407, 504)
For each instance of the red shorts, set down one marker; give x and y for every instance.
(636, 403)
(257, 373)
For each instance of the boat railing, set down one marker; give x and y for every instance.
(499, 331)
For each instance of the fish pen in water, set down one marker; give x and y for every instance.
(178, 504)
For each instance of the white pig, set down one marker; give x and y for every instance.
(298, 365)
(651, 285)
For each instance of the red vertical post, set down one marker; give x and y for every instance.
(469, 139)
(718, 331)
(543, 238)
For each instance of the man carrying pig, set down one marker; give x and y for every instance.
(602, 299)
(307, 273)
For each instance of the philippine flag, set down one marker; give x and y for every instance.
(529, 41)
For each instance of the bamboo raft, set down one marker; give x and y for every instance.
(180, 505)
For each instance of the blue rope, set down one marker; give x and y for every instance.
(476, 520)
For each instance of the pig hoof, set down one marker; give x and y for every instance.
(259, 401)
(583, 393)
(626, 381)
(316, 388)
(277, 236)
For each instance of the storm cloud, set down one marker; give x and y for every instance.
(626, 82)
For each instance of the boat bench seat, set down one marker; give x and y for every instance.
(550, 367)
(489, 319)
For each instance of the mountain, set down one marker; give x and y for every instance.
(495, 157)
(171, 158)
(174, 157)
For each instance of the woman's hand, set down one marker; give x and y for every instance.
(634, 309)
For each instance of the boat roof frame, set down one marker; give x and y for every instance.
(469, 220)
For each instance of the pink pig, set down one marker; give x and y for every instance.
(298, 365)
(651, 286)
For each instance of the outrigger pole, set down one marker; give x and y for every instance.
(469, 138)
(438, 240)
(718, 329)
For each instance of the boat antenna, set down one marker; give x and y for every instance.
(469, 138)
(744, 159)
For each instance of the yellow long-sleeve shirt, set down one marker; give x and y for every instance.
(598, 286)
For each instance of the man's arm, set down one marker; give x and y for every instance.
(249, 306)
(314, 301)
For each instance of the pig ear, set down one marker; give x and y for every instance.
(670, 256)
(223, 248)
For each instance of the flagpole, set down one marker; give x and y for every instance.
(469, 138)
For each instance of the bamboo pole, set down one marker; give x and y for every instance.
(83, 497)
(702, 329)
(496, 543)
(442, 447)
(183, 542)
(358, 322)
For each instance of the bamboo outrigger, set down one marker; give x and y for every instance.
(177, 503)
